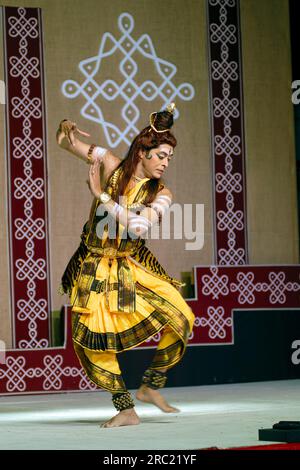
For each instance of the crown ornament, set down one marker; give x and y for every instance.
(170, 108)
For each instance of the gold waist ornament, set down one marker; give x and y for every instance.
(109, 252)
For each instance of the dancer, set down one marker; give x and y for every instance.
(120, 294)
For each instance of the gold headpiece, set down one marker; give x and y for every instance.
(171, 107)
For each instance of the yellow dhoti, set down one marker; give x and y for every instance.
(100, 334)
(120, 302)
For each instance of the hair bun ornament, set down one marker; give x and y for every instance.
(171, 107)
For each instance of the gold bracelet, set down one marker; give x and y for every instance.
(89, 155)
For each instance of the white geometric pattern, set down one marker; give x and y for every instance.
(27, 188)
(215, 285)
(215, 322)
(229, 182)
(129, 87)
(23, 27)
(233, 256)
(52, 372)
(228, 70)
(246, 287)
(231, 220)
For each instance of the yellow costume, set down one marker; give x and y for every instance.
(120, 297)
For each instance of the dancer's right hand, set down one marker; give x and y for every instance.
(68, 128)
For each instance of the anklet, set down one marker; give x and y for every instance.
(154, 379)
(122, 401)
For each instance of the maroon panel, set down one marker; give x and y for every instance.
(44, 370)
(220, 291)
(27, 191)
(228, 153)
(223, 289)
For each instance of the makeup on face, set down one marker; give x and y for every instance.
(161, 154)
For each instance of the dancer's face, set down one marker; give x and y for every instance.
(156, 161)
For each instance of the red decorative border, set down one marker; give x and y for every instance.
(27, 190)
(220, 290)
(226, 100)
(44, 370)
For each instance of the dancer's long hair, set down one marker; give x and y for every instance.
(146, 140)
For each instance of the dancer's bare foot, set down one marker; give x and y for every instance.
(123, 418)
(148, 395)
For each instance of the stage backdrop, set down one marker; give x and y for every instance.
(107, 65)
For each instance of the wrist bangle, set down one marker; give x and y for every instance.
(89, 155)
(104, 197)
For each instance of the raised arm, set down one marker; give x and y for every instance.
(66, 137)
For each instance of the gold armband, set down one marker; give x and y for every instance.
(89, 155)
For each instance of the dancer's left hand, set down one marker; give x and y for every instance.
(94, 179)
(68, 129)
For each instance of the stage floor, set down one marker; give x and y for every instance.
(211, 416)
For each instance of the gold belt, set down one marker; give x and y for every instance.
(122, 281)
(109, 252)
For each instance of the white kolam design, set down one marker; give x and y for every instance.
(53, 372)
(27, 209)
(127, 84)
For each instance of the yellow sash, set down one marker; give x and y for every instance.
(122, 299)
